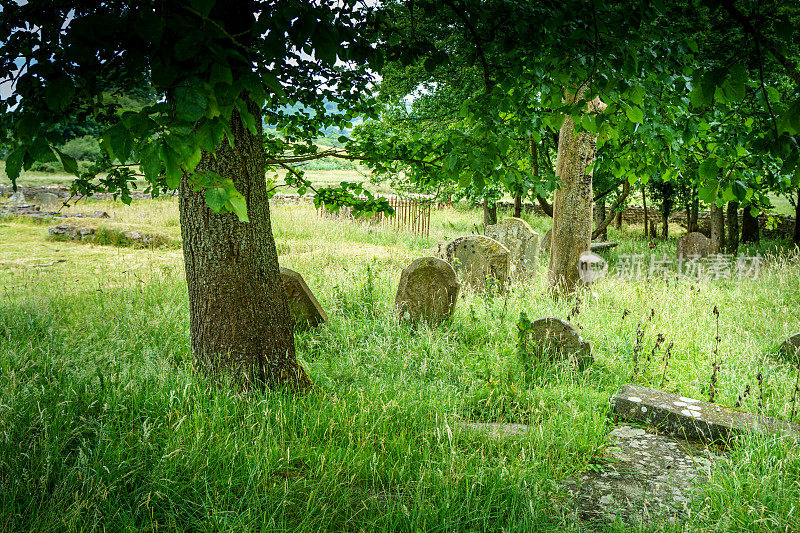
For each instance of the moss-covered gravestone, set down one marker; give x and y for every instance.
(478, 260)
(693, 244)
(427, 290)
(552, 339)
(522, 243)
(790, 349)
(304, 307)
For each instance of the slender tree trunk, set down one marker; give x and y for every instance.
(518, 204)
(547, 208)
(600, 217)
(750, 229)
(572, 206)
(717, 229)
(618, 220)
(733, 227)
(644, 207)
(239, 320)
(797, 219)
(694, 213)
(489, 212)
(666, 211)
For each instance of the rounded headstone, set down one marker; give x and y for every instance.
(476, 259)
(427, 290)
(693, 244)
(303, 306)
(522, 243)
(790, 349)
(18, 198)
(554, 339)
(48, 199)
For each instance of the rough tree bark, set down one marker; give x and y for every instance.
(518, 204)
(489, 213)
(796, 238)
(240, 324)
(733, 227)
(644, 208)
(693, 213)
(618, 220)
(600, 217)
(750, 229)
(717, 229)
(572, 205)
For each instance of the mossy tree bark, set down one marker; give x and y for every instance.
(489, 212)
(572, 205)
(717, 230)
(733, 227)
(796, 238)
(240, 326)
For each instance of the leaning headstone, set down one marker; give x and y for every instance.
(427, 290)
(688, 418)
(477, 258)
(790, 349)
(522, 243)
(693, 244)
(553, 339)
(548, 236)
(304, 307)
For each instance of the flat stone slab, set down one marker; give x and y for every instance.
(601, 246)
(688, 418)
(643, 478)
(304, 307)
(496, 429)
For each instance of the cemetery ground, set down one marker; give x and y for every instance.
(105, 426)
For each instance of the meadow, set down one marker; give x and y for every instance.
(104, 426)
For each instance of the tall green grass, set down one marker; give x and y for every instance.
(104, 425)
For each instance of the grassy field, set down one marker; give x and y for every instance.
(104, 426)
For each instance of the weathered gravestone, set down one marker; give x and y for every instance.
(48, 199)
(790, 349)
(688, 418)
(548, 237)
(553, 339)
(477, 259)
(303, 306)
(693, 244)
(17, 199)
(522, 243)
(427, 290)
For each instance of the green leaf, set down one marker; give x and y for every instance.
(14, 163)
(637, 95)
(190, 103)
(634, 114)
(238, 205)
(68, 162)
(221, 74)
(708, 192)
(172, 161)
(117, 141)
(216, 198)
(203, 6)
(59, 93)
(708, 170)
(150, 162)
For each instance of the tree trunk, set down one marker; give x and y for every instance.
(717, 229)
(733, 227)
(694, 213)
(518, 204)
(572, 206)
(644, 207)
(547, 208)
(618, 220)
(599, 218)
(239, 320)
(797, 219)
(489, 212)
(750, 230)
(666, 211)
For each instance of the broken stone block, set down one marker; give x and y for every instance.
(790, 349)
(552, 339)
(522, 243)
(641, 479)
(602, 246)
(478, 260)
(688, 418)
(304, 307)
